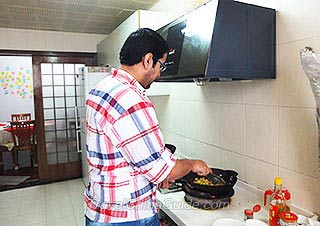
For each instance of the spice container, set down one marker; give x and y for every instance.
(248, 214)
(288, 219)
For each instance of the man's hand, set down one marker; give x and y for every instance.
(166, 183)
(200, 167)
(185, 166)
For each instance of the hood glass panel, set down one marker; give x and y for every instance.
(189, 39)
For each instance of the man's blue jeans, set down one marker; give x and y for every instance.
(152, 221)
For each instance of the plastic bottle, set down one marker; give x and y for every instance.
(278, 203)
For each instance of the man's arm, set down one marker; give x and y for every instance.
(183, 167)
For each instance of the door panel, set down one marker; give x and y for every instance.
(57, 92)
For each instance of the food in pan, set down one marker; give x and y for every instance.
(207, 182)
(203, 181)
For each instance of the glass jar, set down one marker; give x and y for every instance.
(288, 219)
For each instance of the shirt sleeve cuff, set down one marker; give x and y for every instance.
(163, 166)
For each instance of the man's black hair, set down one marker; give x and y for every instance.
(141, 42)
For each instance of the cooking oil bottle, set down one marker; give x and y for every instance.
(278, 202)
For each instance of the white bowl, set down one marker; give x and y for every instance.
(253, 222)
(228, 222)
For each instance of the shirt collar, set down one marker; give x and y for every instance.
(127, 78)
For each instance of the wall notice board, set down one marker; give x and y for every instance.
(16, 86)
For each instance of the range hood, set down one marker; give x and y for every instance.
(221, 40)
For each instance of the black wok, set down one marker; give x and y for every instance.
(229, 178)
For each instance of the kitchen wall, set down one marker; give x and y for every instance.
(262, 129)
(37, 40)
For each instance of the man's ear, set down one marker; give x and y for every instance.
(147, 61)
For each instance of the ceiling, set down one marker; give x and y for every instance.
(84, 16)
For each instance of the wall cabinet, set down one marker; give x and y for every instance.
(108, 49)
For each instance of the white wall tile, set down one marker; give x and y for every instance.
(262, 92)
(298, 20)
(176, 9)
(160, 104)
(208, 153)
(36, 40)
(260, 174)
(232, 92)
(261, 133)
(186, 91)
(175, 118)
(54, 41)
(298, 140)
(270, 142)
(202, 122)
(233, 161)
(17, 39)
(304, 189)
(265, 3)
(293, 84)
(232, 127)
(4, 37)
(177, 140)
(84, 43)
(69, 43)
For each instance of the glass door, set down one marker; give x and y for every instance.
(60, 91)
(57, 93)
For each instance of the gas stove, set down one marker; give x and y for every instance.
(204, 200)
(175, 187)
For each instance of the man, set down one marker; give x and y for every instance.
(125, 148)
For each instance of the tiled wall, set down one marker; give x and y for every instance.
(37, 40)
(262, 129)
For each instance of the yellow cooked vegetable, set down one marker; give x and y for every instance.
(203, 181)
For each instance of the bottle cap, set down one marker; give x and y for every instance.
(248, 212)
(288, 217)
(287, 194)
(278, 181)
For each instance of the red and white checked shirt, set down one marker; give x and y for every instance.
(125, 151)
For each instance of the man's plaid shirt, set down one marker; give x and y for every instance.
(125, 151)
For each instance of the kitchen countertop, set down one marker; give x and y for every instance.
(183, 214)
(245, 197)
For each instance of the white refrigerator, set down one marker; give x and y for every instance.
(88, 78)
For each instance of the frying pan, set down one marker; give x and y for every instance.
(229, 178)
(171, 147)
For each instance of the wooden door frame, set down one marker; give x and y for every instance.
(60, 171)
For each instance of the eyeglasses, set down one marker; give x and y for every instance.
(163, 66)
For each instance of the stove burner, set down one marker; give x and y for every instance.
(187, 188)
(204, 200)
(207, 204)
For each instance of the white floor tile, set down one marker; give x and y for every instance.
(9, 221)
(10, 194)
(53, 204)
(56, 190)
(38, 206)
(11, 198)
(65, 221)
(40, 224)
(80, 221)
(31, 219)
(57, 208)
(8, 212)
(75, 184)
(33, 195)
